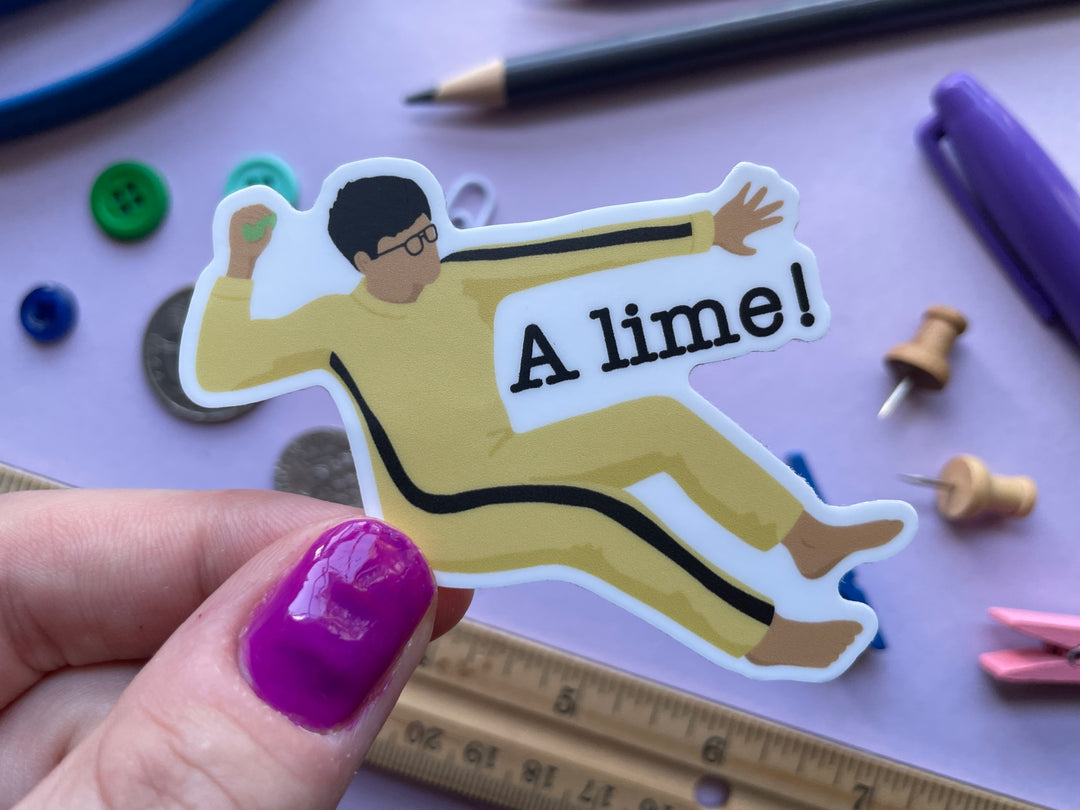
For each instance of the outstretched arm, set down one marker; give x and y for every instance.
(738, 218)
(519, 265)
(523, 264)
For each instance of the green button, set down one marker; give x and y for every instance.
(265, 170)
(129, 200)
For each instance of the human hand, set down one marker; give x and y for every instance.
(250, 229)
(279, 632)
(739, 217)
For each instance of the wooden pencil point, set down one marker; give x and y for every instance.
(423, 97)
(484, 86)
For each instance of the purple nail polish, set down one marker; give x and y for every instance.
(318, 646)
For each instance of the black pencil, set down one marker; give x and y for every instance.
(783, 30)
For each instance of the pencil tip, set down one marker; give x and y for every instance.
(422, 97)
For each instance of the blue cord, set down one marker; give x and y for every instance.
(202, 27)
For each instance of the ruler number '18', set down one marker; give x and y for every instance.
(537, 774)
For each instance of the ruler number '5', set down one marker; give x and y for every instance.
(566, 702)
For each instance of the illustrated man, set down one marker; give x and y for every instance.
(411, 347)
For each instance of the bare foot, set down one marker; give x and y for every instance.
(803, 644)
(817, 547)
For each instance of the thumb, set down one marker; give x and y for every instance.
(270, 694)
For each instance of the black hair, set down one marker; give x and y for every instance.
(370, 208)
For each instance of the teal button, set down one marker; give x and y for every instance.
(265, 170)
(129, 200)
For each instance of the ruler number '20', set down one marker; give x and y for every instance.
(429, 738)
(864, 797)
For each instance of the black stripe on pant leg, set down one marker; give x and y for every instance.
(560, 495)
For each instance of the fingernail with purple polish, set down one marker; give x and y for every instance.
(319, 645)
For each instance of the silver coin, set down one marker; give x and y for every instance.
(319, 464)
(161, 363)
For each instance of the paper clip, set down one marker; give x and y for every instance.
(476, 186)
(202, 27)
(1056, 661)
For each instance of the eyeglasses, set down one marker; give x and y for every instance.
(414, 245)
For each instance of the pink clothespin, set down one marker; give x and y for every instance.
(1057, 661)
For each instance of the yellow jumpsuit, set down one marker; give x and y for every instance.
(479, 497)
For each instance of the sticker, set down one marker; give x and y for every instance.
(518, 402)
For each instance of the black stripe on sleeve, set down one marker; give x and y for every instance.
(562, 495)
(569, 244)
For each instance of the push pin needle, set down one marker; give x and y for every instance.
(923, 361)
(967, 489)
(926, 480)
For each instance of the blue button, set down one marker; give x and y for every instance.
(48, 312)
(265, 170)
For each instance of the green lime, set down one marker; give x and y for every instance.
(253, 233)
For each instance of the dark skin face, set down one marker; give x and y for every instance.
(394, 275)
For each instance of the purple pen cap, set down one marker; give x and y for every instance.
(1022, 206)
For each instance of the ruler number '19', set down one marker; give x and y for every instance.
(480, 754)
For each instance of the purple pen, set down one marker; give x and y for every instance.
(1020, 203)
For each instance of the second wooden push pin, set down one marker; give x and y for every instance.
(923, 361)
(967, 489)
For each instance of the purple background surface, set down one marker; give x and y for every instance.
(319, 83)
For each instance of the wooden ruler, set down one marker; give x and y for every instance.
(497, 718)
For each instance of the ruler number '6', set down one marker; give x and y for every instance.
(713, 751)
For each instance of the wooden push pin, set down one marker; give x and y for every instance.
(967, 489)
(923, 361)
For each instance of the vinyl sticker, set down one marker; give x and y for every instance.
(518, 402)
